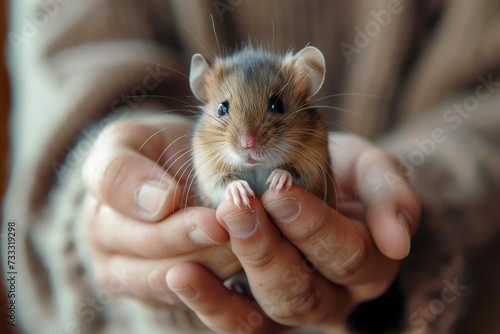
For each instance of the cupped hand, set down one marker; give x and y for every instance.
(137, 217)
(308, 264)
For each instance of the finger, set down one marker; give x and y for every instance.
(126, 171)
(186, 231)
(393, 211)
(220, 309)
(338, 247)
(145, 279)
(392, 207)
(133, 277)
(286, 289)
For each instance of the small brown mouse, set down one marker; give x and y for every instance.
(258, 126)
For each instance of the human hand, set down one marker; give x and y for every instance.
(354, 251)
(135, 177)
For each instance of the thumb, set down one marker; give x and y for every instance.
(137, 167)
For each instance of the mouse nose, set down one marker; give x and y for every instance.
(248, 140)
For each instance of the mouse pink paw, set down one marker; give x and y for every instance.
(237, 192)
(280, 178)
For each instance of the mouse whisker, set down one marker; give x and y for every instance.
(308, 133)
(185, 168)
(324, 175)
(194, 114)
(215, 159)
(170, 145)
(159, 97)
(211, 56)
(304, 150)
(177, 156)
(332, 124)
(154, 134)
(345, 94)
(163, 152)
(217, 120)
(215, 33)
(325, 107)
(190, 178)
(283, 88)
(276, 79)
(167, 67)
(272, 24)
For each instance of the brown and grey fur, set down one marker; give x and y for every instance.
(295, 141)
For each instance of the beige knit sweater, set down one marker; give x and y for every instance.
(432, 66)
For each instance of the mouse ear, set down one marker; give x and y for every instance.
(311, 61)
(199, 68)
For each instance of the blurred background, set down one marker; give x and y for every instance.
(4, 112)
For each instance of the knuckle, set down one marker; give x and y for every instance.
(295, 306)
(352, 263)
(353, 258)
(305, 305)
(338, 250)
(318, 234)
(311, 305)
(260, 258)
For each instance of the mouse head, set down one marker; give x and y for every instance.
(256, 104)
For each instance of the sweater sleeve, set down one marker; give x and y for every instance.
(451, 156)
(75, 67)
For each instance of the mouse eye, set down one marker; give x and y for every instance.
(275, 105)
(223, 108)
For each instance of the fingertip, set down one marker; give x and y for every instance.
(206, 229)
(218, 308)
(286, 206)
(226, 208)
(393, 217)
(240, 222)
(391, 232)
(405, 222)
(180, 275)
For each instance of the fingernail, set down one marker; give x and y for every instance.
(405, 220)
(242, 224)
(199, 237)
(186, 292)
(283, 210)
(150, 197)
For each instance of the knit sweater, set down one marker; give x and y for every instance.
(420, 78)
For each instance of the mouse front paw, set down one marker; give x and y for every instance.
(280, 178)
(237, 192)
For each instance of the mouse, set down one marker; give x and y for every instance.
(258, 128)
